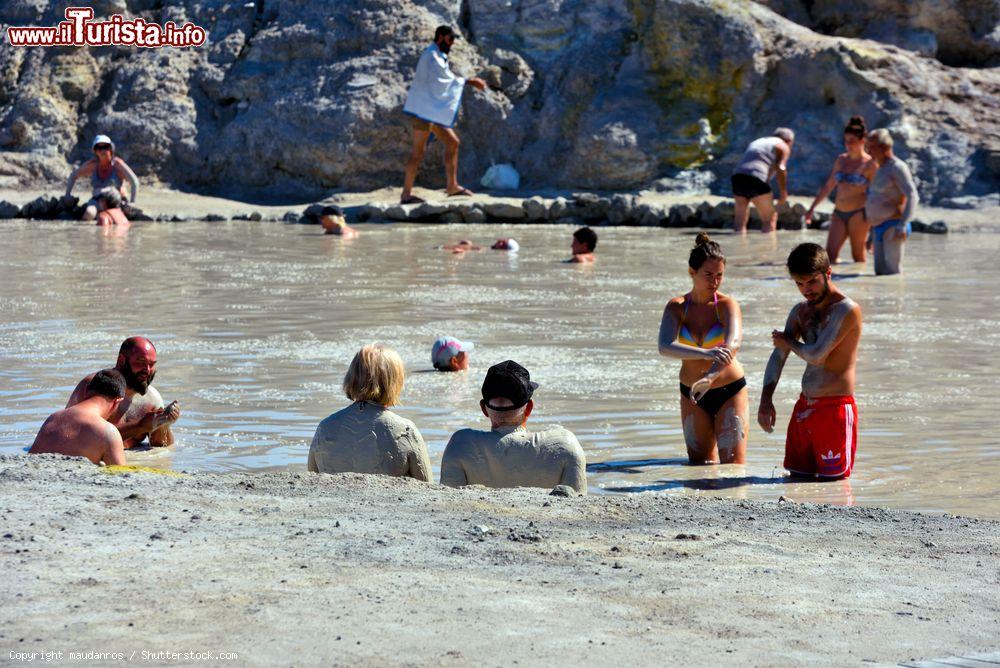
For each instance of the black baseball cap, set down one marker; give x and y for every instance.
(508, 380)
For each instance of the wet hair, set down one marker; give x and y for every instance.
(375, 375)
(332, 211)
(130, 344)
(705, 249)
(785, 134)
(107, 383)
(856, 126)
(881, 137)
(808, 259)
(587, 237)
(112, 198)
(443, 31)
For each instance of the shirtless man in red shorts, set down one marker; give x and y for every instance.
(824, 330)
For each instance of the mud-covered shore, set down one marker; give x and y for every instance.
(304, 569)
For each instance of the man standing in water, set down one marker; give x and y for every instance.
(763, 158)
(141, 413)
(433, 102)
(824, 330)
(892, 200)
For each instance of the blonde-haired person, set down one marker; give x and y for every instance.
(366, 437)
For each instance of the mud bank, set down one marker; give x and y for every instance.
(300, 569)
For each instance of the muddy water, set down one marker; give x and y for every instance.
(256, 323)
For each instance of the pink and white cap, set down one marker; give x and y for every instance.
(445, 348)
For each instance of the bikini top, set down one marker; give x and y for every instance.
(713, 338)
(853, 178)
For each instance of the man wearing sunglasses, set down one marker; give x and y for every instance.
(106, 170)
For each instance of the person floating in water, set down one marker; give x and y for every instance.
(333, 221)
(763, 158)
(450, 354)
(109, 202)
(852, 171)
(892, 201)
(583, 245)
(824, 330)
(105, 170)
(433, 101)
(704, 329)
(142, 412)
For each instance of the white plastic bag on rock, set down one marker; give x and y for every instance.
(501, 177)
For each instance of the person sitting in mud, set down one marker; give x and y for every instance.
(450, 354)
(461, 246)
(892, 201)
(105, 170)
(333, 221)
(824, 330)
(583, 245)
(704, 329)
(763, 158)
(366, 437)
(509, 455)
(508, 244)
(109, 202)
(432, 102)
(852, 171)
(141, 414)
(84, 430)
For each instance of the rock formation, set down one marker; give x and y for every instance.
(305, 96)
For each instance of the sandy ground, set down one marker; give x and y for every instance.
(166, 202)
(304, 569)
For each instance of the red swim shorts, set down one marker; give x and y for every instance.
(822, 437)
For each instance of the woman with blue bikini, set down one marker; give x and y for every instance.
(704, 329)
(852, 173)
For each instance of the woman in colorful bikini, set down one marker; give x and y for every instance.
(704, 329)
(852, 172)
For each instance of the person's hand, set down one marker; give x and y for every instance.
(68, 200)
(476, 82)
(151, 421)
(781, 342)
(701, 387)
(899, 232)
(171, 412)
(721, 355)
(766, 415)
(808, 217)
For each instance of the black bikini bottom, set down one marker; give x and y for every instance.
(715, 398)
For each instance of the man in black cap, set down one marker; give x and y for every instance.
(509, 455)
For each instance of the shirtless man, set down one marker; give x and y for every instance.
(83, 430)
(333, 222)
(110, 202)
(584, 243)
(141, 413)
(509, 455)
(892, 201)
(824, 330)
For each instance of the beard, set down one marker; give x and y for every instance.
(444, 46)
(135, 383)
(812, 302)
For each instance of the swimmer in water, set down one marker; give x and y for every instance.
(892, 201)
(824, 330)
(852, 171)
(333, 222)
(83, 430)
(105, 169)
(764, 158)
(110, 201)
(506, 245)
(463, 246)
(704, 329)
(584, 243)
(450, 354)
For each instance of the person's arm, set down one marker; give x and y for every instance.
(114, 455)
(904, 181)
(824, 192)
(79, 392)
(133, 180)
(842, 321)
(574, 472)
(733, 342)
(419, 460)
(669, 347)
(452, 473)
(83, 170)
(782, 152)
(766, 415)
(311, 461)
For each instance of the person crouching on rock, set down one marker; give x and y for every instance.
(763, 158)
(105, 170)
(433, 101)
(366, 437)
(109, 202)
(509, 455)
(84, 429)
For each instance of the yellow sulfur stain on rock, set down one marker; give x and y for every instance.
(119, 470)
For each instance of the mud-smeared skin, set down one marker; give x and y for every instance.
(733, 432)
(260, 554)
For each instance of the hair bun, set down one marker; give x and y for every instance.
(857, 120)
(701, 239)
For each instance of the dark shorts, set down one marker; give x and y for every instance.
(748, 186)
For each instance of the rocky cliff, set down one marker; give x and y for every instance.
(306, 95)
